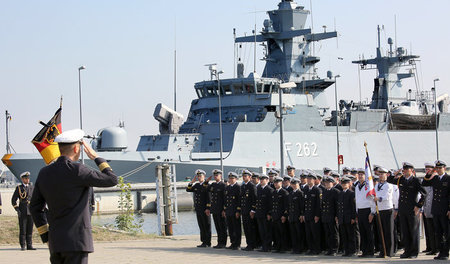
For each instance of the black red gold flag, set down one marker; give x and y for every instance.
(44, 140)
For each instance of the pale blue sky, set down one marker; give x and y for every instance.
(127, 48)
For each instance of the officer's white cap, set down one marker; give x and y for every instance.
(25, 174)
(70, 136)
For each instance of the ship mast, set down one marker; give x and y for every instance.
(8, 146)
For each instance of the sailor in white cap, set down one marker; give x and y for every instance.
(217, 191)
(440, 181)
(64, 187)
(23, 193)
(202, 205)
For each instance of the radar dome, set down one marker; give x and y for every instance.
(111, 139)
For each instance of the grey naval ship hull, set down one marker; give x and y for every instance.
(257, 150)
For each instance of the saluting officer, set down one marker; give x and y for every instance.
(296, 217)
(248, 203)
(23, 193)
(329, 216)
(365, 207)
(202, 203)
(440, 208)
(232, 211)
(347, 217)
(217, 191)
(384, 197)
(312, 215)
(408, 208)
(279, 216)
(64, 187)
(262, 212)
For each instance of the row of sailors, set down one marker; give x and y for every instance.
(315, 213)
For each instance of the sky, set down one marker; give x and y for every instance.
(128, 48)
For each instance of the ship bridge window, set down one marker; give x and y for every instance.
(267, 88)
(259, 88)
(211, 91)
(200, 92)
(227, 89)
(249, 88)
(406, 103)
(238, 89)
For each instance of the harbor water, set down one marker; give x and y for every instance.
(187, 223)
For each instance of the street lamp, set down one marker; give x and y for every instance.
(281, 87)
(436, 116)
(81, 112)
(215, 73)
(330, 75)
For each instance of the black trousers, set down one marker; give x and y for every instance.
(409, 224)
(250, 230)
(387, 223)
(75, 257)
(441, 230)
(431, 239)
(221, 228)
(265, 232)
(280, 235)
(313, 236)
(297, 231)
(366, 231)
(397, 235)
(331, 236)
(234, 230)
(204, 224)
(348, 237)
(25, 230)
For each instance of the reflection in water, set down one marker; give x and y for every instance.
(187, 223)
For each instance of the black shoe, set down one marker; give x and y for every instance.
(235, 248)
(310, 253)
(349, 255)
(426, 251)
(203, 245)
(404, 255)
(23, 248)
(31, 248)
(432, 253)
(264, 250)
(247, 248)
(413, 256)
(439, 257)
(219, 246)
(380, 256)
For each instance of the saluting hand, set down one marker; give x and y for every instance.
(89, 151)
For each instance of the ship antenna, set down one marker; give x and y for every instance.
(254, 49)
(395, 30)
(312, 27)
(234, 51)
(175, 70)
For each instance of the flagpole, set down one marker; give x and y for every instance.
(376, 206)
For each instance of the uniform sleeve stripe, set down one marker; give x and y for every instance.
(103, 166)
(42, 229)
(15, 206)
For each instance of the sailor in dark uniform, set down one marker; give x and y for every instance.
(345, 171)
(440, 181)
(232, 211)
(408, 208)
(312, 214)
(287, 183)
(347, 217)
(202, 203)
(303, 179)
(336, 183)
(329, 216)
(248, 203)
(427, 216)
(279, 216)
(290, 171)
(272, 173)
(255, 181)
(296, 218)
(23, 193)
(262, 212)
(64, 187)
(326, 171)
(217, 192)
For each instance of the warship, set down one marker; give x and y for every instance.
(281, 116)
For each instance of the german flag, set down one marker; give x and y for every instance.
(44, 140)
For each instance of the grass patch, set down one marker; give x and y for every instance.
(9, 230)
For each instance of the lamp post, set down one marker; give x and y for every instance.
(281, 88)
(215, 73)
(436, 116)
(81, 111)
(330, 75)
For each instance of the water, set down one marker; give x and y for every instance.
(187, 223)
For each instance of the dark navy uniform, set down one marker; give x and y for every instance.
(439, 209)
(248, 204)
(312, 210)
(279, 210)
(202, 201)
(217, 191)
(23, 194)
(329, 214)
(297, 229)
(232, 207)
(262, 210)
(64, 187)
(346, 212)
(409, 222)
